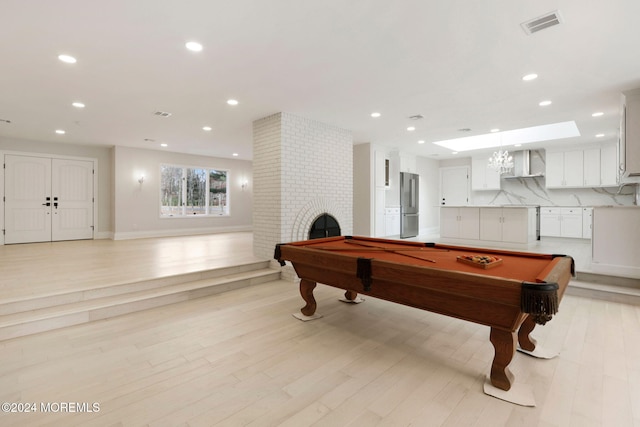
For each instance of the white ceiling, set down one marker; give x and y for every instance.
(459, 63)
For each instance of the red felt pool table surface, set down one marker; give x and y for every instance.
(521, 266)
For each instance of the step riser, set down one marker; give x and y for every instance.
(117, 309)
(604, 295)
(86, 295)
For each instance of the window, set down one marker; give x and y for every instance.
(191, 191)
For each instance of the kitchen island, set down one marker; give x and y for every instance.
(509, 226)
(615, 243)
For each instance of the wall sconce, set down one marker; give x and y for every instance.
(245, 184)
(141, 179)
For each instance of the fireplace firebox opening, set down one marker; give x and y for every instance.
(324, 226)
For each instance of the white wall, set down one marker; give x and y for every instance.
(429, 171)
(137, 206)
(363, 190)
(104, 156)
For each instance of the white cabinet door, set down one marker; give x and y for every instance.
(591, 167)
(469, 223)
(484, 177)
(573, 168)
(491, 224)
(555, 169)
(460, 223)
(550, 222)
(515, 225)
(609, 165)
(449, 222)
(587, 215)
(571, 225)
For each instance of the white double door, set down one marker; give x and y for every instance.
(47, 199)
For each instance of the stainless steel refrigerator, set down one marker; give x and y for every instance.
(409, 203)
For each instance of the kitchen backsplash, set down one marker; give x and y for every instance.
(532, 191)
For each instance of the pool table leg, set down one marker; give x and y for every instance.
(306, 290)
(526, 342)
(504, 343)
(351, 295)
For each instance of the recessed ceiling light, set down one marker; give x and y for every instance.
(235, 154)
(598, 114)
(530, 77)
(454, 152)
(421, 141)
(411, 128)
(164, 145)
(495, 130)
(232, 102)
(544, 103)
(517, 145)
(68, 59)
(60, 132)
(78, 104)
(375, 115)
(194, 46)
(600, 135)
(206, 128)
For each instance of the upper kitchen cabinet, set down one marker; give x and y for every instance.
(594, 166)
(483, 177)
(630, 137)
(408, 163)
(565, 169)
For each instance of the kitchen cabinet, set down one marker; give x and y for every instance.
(587, 222)
(484, 177)
(609, 165)
(460, 222)
(630, 137)
(392, 221)
(561, 222)
(505, 224)
(513, 225)
(565, 169)
(408, 163)
(595, 166)
(591, 167)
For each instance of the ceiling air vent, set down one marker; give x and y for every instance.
(540, 23)
(161, 113)
(416, 117)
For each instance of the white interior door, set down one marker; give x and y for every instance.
(47, 199)
(27, 210)
(454, 186)
(72, 199)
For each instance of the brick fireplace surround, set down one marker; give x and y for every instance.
(301, 169)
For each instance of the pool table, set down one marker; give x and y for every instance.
(508, 291)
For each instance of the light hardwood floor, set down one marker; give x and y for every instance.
(240, 358)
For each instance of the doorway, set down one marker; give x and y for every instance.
(47, 199)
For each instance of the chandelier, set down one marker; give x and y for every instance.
(501, 161)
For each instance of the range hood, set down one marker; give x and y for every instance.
(526, 164)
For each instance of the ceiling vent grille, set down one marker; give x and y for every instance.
(161, 114)
(416, 117)
(542, 22)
